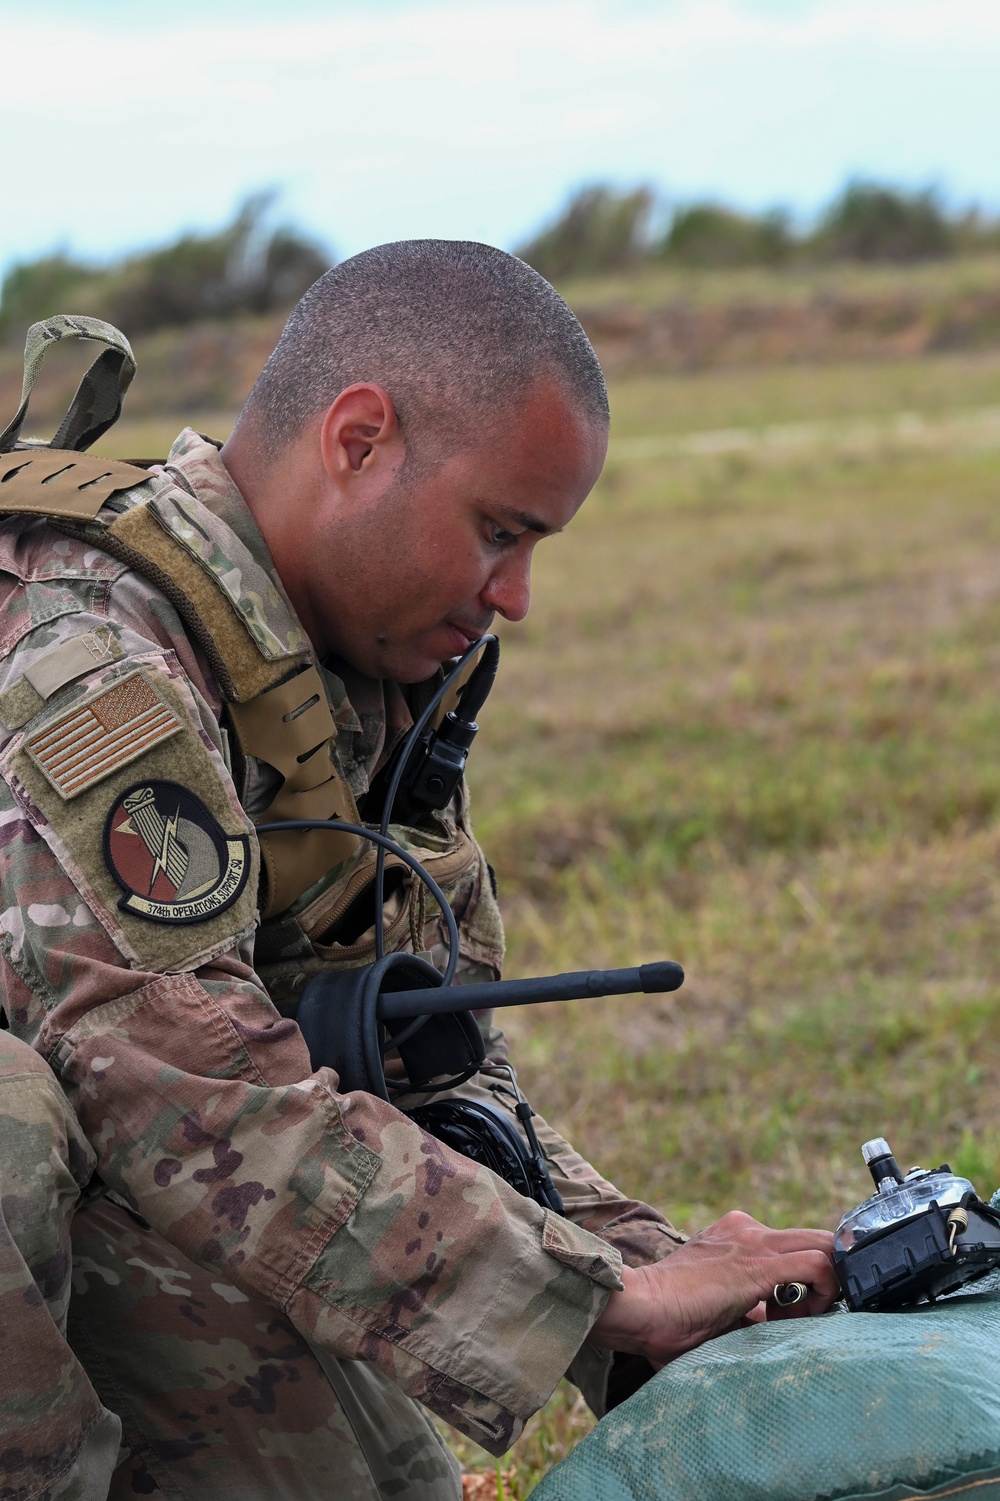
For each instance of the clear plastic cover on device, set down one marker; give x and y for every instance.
(915, 1195)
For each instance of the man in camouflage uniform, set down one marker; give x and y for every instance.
(267, 1275)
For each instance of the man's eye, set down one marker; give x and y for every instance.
(501, 536)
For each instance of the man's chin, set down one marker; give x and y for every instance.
(416, 661)
(413, 672)
(413, 666)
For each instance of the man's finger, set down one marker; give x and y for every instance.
(786, 1241)
(804, 1294)
(816, 1303)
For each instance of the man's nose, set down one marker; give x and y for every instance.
(508, 591)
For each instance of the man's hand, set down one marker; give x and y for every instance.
(721, 1279)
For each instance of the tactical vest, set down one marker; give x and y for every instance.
(317, 899)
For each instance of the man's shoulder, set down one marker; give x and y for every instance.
(53, 589)
(34, 550)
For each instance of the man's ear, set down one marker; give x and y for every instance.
(357, 429)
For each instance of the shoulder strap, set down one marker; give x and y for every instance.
(278, 708)
(97, 403)
(139, 538)
(277, 703)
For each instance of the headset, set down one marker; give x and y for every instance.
(401, 1003)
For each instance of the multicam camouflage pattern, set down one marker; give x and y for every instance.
(98, 400)
(220, 1396)
(401, 1263)
(54, 1433)
(207, 524)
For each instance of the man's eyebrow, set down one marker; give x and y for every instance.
(526, 520)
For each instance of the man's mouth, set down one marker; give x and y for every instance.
(468, 633)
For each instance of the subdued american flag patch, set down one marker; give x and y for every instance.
(94, 738)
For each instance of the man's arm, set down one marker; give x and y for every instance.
(643, 1237)
(201, 1105)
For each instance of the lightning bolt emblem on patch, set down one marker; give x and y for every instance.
(163, 861)
(150, 850)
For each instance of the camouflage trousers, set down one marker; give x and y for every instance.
(153, 1377)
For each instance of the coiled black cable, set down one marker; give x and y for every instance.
(341, 826)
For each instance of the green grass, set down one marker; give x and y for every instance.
(654, 405)
(654, 285)
(753, 725)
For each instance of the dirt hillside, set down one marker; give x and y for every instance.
(656, 322)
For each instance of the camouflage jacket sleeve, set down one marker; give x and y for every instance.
(637, 1231)
(378, 1242)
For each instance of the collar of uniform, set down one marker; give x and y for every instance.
(195, 463)
(195, 499)
(371, 718)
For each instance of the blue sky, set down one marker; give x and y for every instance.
(390, 118)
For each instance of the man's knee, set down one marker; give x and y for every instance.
(45, 1163)
(43, 1151)
(19, 1060)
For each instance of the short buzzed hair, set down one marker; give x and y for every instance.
(450, 328)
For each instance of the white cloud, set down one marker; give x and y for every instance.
(457, 119)
(101, 67)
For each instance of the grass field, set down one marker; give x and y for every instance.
(652, 285)
(753, 724)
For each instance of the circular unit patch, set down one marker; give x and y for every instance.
(170, 855)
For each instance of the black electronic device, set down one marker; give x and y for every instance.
(352, 1018)
(434, 766)
(484, 1133)
(921, 1235)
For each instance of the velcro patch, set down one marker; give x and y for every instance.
(74, 658)
(220, 858)
(171, 856)
(96, 737)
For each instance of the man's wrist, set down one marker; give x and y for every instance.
(620, 1326)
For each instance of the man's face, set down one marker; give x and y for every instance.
(411, 581)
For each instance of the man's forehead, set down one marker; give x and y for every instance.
(550, 418)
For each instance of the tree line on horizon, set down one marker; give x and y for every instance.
(247, 267)
(251, 267)
(603, 229)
